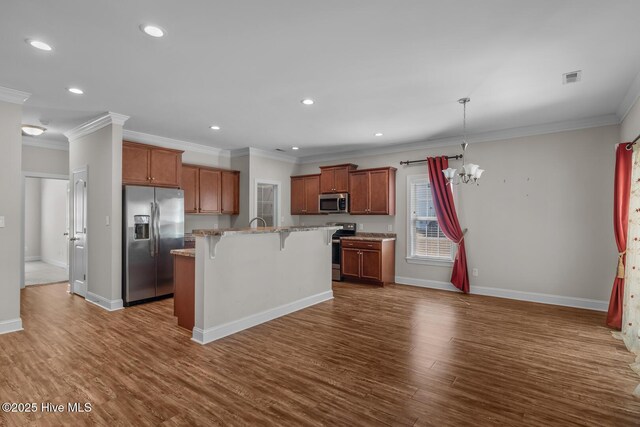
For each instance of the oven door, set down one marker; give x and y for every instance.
(335, 260)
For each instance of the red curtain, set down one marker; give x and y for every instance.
(621, 192)
(448, 219)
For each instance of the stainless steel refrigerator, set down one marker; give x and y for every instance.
(153, 225)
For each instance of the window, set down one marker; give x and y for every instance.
(426, 241)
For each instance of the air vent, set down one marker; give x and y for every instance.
(280, 149)
(572, 77)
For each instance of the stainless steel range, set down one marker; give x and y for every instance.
(348, 229)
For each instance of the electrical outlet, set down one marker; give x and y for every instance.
(389, 227)
(360, 227)
(215, 226)
(474, 272)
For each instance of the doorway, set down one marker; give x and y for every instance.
(268, 201)
(46, 226)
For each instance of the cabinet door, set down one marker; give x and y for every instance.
(298, 198)
(371, 265)
(165, 168)
(350, 262)
(135, 164)
(341, 180)
(359, 195)
(327, 181)
(230, 192)
(312, 193)
(379, 192)
(190, 187)
(209, 191)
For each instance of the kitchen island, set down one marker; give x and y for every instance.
(248, 276)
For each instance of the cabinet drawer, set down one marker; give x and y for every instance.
(362, 244)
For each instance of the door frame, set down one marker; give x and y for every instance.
(278, 199)
(85, 169)
(25, 175)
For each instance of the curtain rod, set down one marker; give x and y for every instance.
(408, 162)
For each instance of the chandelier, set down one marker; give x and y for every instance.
(470, 172)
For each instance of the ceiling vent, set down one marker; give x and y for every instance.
(572, 77)
(280, 150)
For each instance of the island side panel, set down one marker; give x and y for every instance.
(251, 280)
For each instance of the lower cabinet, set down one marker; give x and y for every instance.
(370, 261)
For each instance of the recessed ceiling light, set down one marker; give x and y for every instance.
(75, 90)
(39, 45)
(307, 101)
(152, 30)
(295, 148)
(32, 130)
(214, 127)
(378, 134)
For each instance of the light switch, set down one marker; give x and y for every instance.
(1, 222)
(106, 220)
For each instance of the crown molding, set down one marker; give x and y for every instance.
(13, 96)
(161, 141)
(96, 124)
(257, 152)
(630, 99)
(499, 135)
(45, 143)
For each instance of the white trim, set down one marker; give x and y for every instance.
(85, 286)
(277, 214)
(11, 325)
(56, 263)
(257, 152)
(45, 143)
(629, 100)
(161, 141)
(27, 174)
(96, 124)
(32, 259)
(435, 262)
(13, 96)
(588, 304)
(211, 334)
(107, 304)
(497, 135)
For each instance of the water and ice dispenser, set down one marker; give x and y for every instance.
(141, 227)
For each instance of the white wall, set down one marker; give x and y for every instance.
(630, 127)
(263, 168)
(101, 152)
(540, 221)
(11, 210)
(242, 164)
(54, 244)
(43, 160)
(32, 219)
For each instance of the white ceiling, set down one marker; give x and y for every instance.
(395, 67)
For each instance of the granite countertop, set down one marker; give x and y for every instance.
(261, 230)
(184, 252)
(379, 237)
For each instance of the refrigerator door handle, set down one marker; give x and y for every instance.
(152, 233)
(157, 230)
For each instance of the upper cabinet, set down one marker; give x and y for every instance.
(335, 179)
(148, 165)
(373, 191)
(305, 191)
(210, 190)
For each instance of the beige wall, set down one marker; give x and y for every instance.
(242, 164)
(32, 219)
(630, 127)
(43, 160)
(263, 168)
(11, 210)
(540, 221)
(101, 152)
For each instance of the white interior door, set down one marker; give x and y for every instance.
(78, 235)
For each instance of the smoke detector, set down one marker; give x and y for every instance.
(572, 77)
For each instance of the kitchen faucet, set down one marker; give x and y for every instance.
(264, 223)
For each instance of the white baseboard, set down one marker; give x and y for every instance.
(56, 263)
(107, 304)
(12, 325)
(211, 334)
(32, 258)
(589, 304)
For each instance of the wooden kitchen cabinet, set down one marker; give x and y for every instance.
(335, 179)
(305, 192)
(371, 261)
(149, 165)
(210, 190)
(372, 191)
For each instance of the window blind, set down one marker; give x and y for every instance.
(426, 237)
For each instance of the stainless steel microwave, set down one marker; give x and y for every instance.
(334, 203)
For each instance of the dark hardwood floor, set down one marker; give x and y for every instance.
(373, 356)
